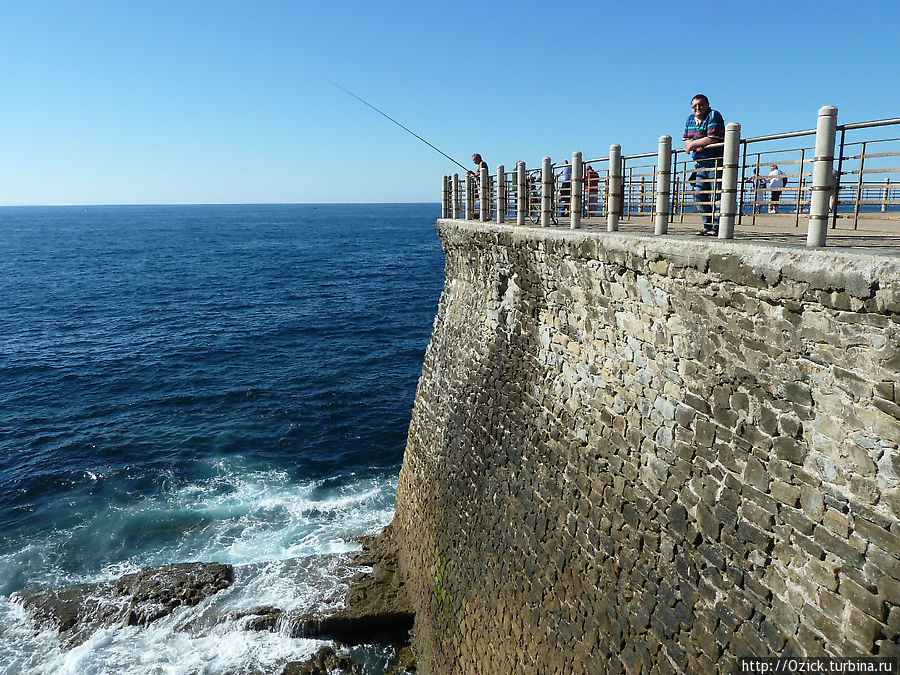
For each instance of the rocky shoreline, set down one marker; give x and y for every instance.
(374, 610)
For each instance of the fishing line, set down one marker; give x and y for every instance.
(396, 122)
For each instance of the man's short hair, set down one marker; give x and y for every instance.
(702, 97)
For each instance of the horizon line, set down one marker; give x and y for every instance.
(19, 206)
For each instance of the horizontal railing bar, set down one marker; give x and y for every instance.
(879, 154)
(777, 137)
(855, 172)
(866, 125)
(872, 141)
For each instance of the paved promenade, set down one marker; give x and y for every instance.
(873, 232)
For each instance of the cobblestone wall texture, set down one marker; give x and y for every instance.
(652, 455)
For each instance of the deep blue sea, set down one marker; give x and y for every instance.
(217, 383)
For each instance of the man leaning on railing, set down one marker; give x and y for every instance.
(704, 127)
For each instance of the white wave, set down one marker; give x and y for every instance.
(209, 638)
(282, 536)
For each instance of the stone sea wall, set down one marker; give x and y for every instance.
(638, 454)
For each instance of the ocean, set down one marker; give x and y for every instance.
(215, 383)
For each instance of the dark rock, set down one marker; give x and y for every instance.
(264, 618)
(134, 599)
(376, 607)
(156, 591)
(324, 662)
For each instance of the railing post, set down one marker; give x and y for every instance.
(663, 184)
(886, 194)
(521, 199)
(859, 184)
(577, 179)
(501, 194)
(454, 196)
(615, 188)
(822, 176)
(445, 196)
(470, 197)
(728, 205)
(800, 188)
(485, 194)
(546, 191)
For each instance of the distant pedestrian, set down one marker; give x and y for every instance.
(565, 186)
(777, 181)
(476, 174)
(758, 183)
(592, 189)
(704, 127)
(835, 189)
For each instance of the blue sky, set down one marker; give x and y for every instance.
(228, 102)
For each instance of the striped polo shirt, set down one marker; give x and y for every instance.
(713, 125)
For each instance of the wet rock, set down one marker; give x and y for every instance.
(134, 599)
(155, 592)
(324, 662)
(264, 618)
(376, 607)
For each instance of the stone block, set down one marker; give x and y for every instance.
(811, 547)
(755, 474)
(797, 520)
(822, 624)
(887, 406)
(812, 501)
(838, 523)
(684, 415)
(697, 403)
(790, 450)
(761, 499)
(883, 538)
(725, 416)
(822, 574)
(757, 516)
(704, 433)
(785, 493)
(839, 547)
(861, 629)
(796, 392)
(773, 638)
(861, 598)
(789, 425)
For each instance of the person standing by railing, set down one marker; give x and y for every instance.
(565, 186)
(777, 181)
(591, 189)
(704, 127)
(835, 190)
(758, 184)
(476, 174)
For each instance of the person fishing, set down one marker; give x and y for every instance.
(478, 162)
(476, 174)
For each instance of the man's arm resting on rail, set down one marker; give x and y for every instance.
(701, 142)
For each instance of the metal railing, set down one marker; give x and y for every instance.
(855, 183)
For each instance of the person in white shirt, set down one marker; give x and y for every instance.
(565, 186)
(777, 181)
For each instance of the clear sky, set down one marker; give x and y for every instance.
(112, 102)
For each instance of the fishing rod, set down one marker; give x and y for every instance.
(396, 122)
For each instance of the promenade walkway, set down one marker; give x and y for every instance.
(871, 233)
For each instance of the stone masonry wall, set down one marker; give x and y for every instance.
(638, 454)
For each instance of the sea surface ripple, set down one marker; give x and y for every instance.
(229, 383)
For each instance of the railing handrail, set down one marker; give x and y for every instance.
(664, 184)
